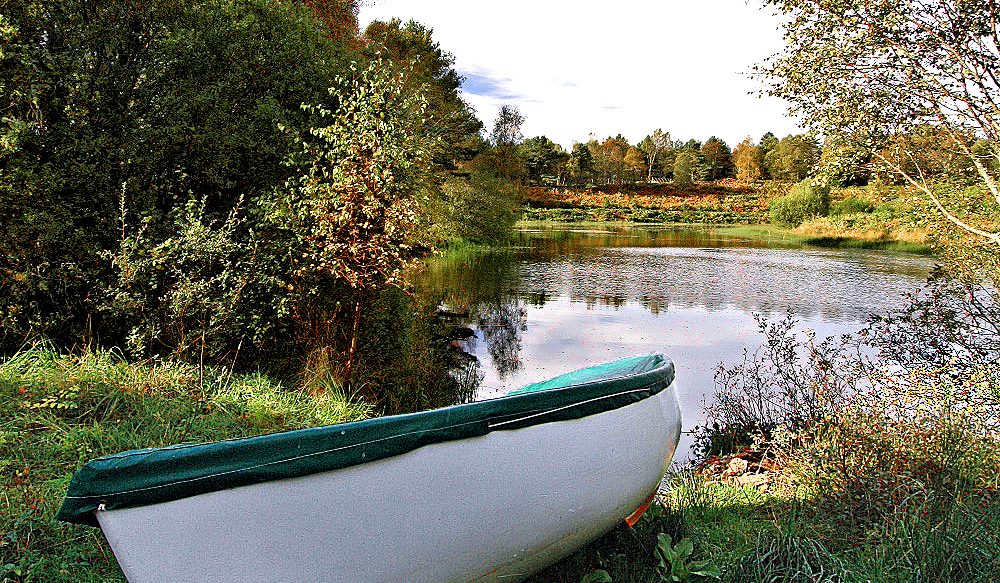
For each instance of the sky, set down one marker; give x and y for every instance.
(577, 69)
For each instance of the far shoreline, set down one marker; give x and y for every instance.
(733, 208)
(762, 232)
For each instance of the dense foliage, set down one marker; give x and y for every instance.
(134, 109)
(228, 180)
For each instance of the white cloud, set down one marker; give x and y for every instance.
(576, 68)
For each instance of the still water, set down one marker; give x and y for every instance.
(564, 299)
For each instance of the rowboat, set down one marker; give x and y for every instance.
(486, 491)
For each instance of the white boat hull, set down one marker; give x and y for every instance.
(497, 507)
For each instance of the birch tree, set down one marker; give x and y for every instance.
(655, 146)
(870, 70)
(349, 215)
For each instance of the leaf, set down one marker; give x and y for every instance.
(706, 569)
(684, 548)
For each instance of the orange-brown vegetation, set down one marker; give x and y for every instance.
(730, 196)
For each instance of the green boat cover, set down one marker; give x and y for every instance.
(150, 476)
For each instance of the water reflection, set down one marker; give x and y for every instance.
(501, 326)
(805, 282)
(562, 300)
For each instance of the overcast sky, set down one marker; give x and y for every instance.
(576, 68)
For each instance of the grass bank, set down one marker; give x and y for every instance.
(722, 202)
(58, 411)
(874, 217)
(778, 530)
(815, 234)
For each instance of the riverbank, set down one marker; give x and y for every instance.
(772, 235)
(876, 217)
(801, 505)
(716, 203)
(864, 459)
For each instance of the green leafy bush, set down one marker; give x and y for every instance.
(805, 200)
(483, 208)
(597, 576)
(186, 294)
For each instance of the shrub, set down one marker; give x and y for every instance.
(870, 459)
(893, 430)
(483, 208)
(805, 200)
(189, 294)
(788, 384)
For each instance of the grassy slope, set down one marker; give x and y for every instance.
(789, 533)
(57, 412)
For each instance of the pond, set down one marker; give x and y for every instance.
(561, 299)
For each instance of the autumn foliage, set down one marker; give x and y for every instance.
(339, 16)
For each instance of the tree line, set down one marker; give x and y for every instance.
(926, 150)
(910, 86)
(657, 158)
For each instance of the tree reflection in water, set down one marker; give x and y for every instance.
(473, 288)
(502, 324)
(597, 294)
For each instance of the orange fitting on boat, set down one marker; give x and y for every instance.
(633, 518)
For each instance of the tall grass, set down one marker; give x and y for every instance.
(57, 411)
(929, 538)
(785, 558)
